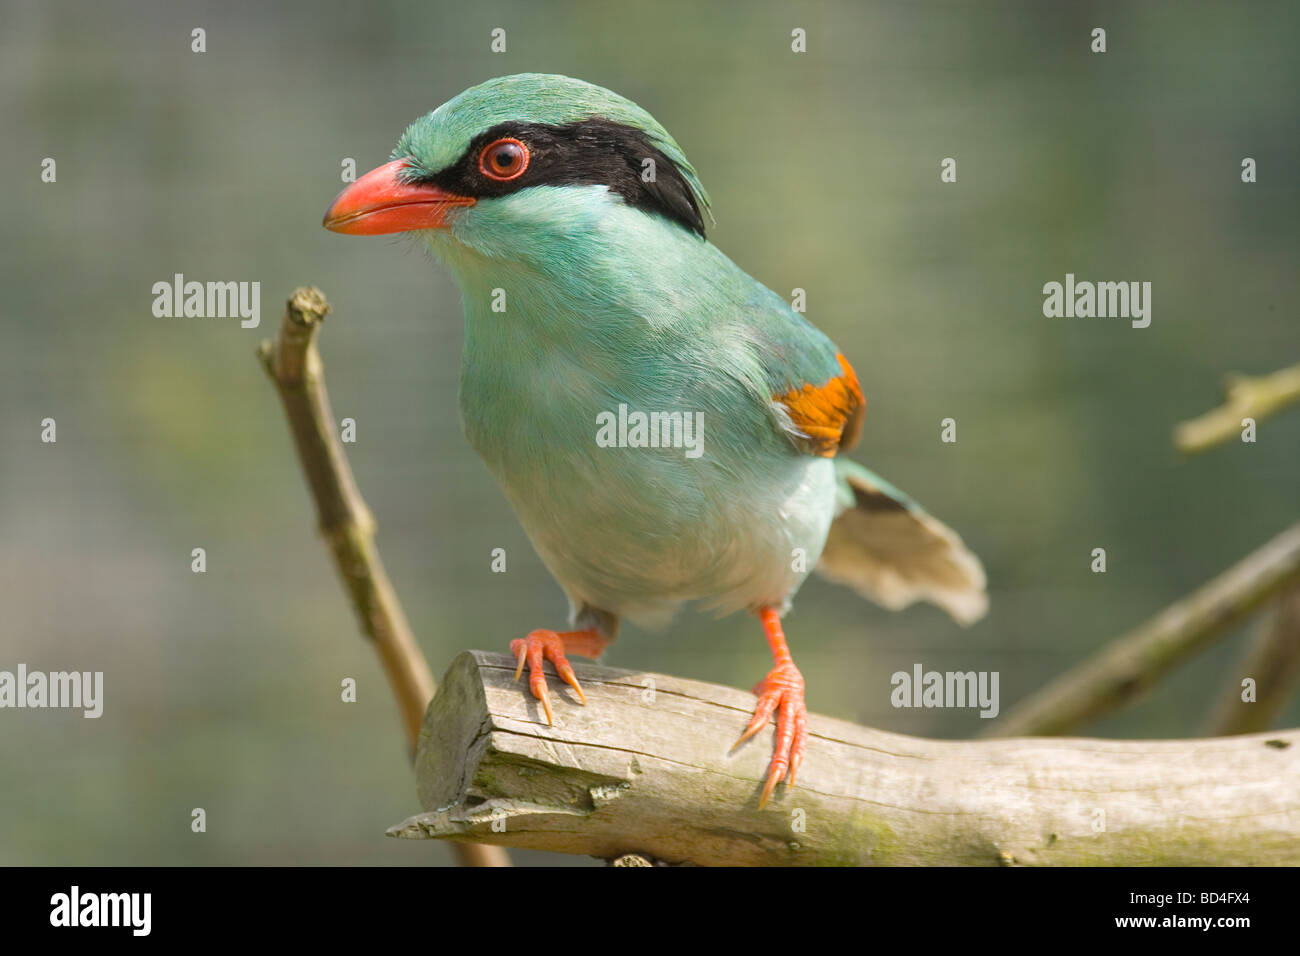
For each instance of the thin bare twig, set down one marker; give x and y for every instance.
(1273, 662)
(294, 365)
(1254, 397)
(1131, 664)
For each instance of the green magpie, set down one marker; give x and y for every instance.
(574, 227)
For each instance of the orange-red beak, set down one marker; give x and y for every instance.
(379, 202)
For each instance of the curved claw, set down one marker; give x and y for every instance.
(781, 691)
(543, 645)
(762, 713)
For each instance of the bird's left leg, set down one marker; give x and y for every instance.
(551, 645)
(781, 690)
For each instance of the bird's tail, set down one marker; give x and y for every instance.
(884, 546)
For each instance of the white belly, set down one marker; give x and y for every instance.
(632, 548)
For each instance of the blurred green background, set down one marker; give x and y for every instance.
(222, 689)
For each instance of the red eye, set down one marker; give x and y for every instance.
(503, 160)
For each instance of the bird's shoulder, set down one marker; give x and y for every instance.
(813, 390)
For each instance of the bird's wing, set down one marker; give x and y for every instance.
(813, 389)
(888, 549)
(882, 543)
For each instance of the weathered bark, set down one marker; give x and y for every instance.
(644, 769)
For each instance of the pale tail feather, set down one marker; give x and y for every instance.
(884, 546)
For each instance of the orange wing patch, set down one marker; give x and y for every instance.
(830, 415)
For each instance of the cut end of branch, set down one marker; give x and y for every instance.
(307, 306)
(291, 357)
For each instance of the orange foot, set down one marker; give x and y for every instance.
(781, 690)
(551, 645)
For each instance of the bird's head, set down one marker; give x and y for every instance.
(511, 166)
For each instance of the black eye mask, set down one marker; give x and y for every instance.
(592, 152)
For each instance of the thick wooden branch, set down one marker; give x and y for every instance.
(644, 769)
(1130, 665)
(1254, 397)
(294, 365)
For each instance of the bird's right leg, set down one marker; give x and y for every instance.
(782, 691)
(551, 646)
